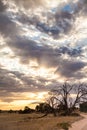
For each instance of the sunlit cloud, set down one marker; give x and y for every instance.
(21, 100)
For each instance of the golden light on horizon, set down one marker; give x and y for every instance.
(24, 99)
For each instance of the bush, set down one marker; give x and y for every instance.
(70, 114)
(26, 110)
(83, 107)
(75, 114)
(64, 125)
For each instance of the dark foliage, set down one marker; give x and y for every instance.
(65, 99)
(26, 110)
(83, 107)
(11, 111)
(44, 108)
(64, 125)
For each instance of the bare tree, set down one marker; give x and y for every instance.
(68, 96)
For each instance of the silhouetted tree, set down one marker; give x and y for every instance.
(26, 110)
(67, 97)
(20, 111)
(44, 108)
(10, 111)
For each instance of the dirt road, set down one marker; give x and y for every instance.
(80, 125)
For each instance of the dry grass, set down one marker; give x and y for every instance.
(27, 122)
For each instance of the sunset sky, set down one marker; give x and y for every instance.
(42, 43)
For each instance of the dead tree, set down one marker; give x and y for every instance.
(68, 96)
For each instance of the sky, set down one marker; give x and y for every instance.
(43, 43)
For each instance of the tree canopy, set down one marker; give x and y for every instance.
(68, 96)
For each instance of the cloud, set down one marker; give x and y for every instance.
(8, 81)
(27, 49)
(2, 6)
(45, 55)
(71, 69)
(73, 52)
(53, 24)
(7, 26)
(81, 7)
(29, 3)
(14, 81)
(63, 23)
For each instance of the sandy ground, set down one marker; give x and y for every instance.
(25, 122)
(81, 124)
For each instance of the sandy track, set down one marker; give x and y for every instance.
(80, 125)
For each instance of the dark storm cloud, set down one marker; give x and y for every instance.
(64, 19)
(33, 84)
(28, 49)
(6, 96)
(26, 80)
(14, 81)
(8, 81)
(7, 26)
(25, 19)
(47, 29)
(2, 6)
(63, 23)
(70, 69)
(57, 23)
(81, 7)
(45, 55)
(73, 52)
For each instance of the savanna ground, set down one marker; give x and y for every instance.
(16, 121)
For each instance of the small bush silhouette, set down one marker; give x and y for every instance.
(64, 125)
(26, 110)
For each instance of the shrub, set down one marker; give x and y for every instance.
(64, 125)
